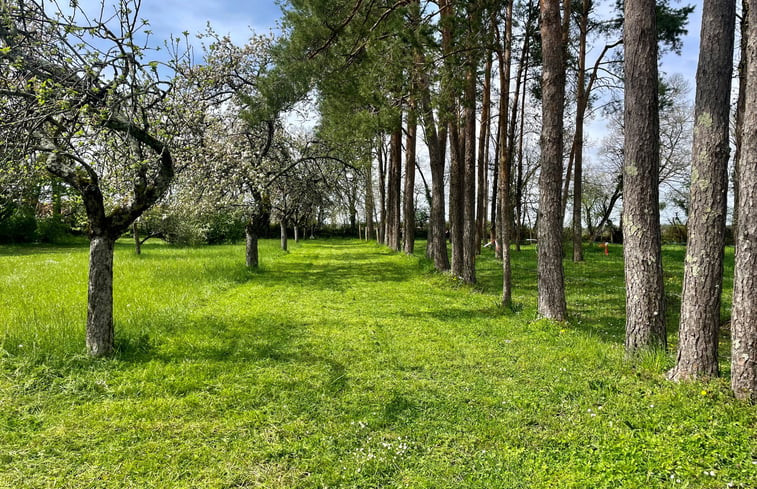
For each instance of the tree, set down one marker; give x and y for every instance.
(551, 302)
(744, 315)
(645, 300)
(703, 274)
(78, 97)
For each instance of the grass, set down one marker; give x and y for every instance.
(340, 364)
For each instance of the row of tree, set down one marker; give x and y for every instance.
(80, 101)
(431, 64)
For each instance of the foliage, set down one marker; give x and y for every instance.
(385, 375)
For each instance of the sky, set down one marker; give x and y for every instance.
(237, 17)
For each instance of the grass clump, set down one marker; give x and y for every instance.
(341, 364)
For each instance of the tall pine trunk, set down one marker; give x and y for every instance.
(456, 199)
(469, 174)
(551, 282)
(483, 155)
(381, 158)
(409, 197)
(578, 142)
(505, 160)
(739, 115)
(645, 299)
(369, 203)
(703, 273)
(744, 316)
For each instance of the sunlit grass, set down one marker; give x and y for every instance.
(341, 364)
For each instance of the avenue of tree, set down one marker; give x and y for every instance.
(467, 117)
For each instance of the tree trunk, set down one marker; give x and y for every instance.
(520, 82)
(739, 116)
(494, 213)
(381, 157)
(578, 141)
(703, 273)
(369, 204)
(100, 297)
(137, 241)
(519, 167)
(744, 317)
(409, 197)
(393, 192)
(297, 233)
(551, 301)
(483, 154)
(469, 175)
(503, 205)
(505, 159)
(645, 299)
(437, 240)
(251, 248)
(283, 228)
(456, 199)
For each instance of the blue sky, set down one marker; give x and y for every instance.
(236, 17)
(226, 16)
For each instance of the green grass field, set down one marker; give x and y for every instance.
(340, 364)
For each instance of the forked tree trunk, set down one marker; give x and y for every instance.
(645, 299)
(703, 274)
(744, 318)
(251, 245)
(100, 297)
(551, 284)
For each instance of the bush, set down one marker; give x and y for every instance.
(51, 230)
(19, 227)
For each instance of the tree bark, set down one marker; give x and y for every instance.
(469, 173)
(369, 202)
(503, 201)
(551, 301)
(483, 154)
(703, 273)
(251, 245)
(744, 316)
(381, 157)
(739, 116)
(645, 299)
(409, 197)
(393, 192)
(137, 241)
(283, 228)
(437, 243)
(456, 213)
(100, 296)
(505, 159)
(578, 142)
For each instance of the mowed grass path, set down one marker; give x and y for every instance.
(341, 364)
